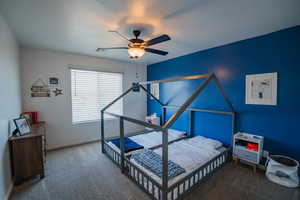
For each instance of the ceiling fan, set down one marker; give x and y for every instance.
(137, 47)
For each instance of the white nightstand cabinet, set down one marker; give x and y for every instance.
(242, 143)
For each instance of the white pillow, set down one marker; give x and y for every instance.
(215, 143)
(200, 141)
(176, 132)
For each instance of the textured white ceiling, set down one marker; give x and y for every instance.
(80, 26)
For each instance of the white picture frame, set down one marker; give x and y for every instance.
(154, 89)
(261, 89)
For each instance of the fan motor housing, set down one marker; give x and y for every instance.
(136, 40)
(135, 44)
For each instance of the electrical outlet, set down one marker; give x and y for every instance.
(265, 154)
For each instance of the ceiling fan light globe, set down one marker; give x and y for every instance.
(136, 52)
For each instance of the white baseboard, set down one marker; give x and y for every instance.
(9, 191)
(71, 145)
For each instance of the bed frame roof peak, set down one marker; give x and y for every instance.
(183, 78)
(207, 78)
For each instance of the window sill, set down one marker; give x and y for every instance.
(92, 121)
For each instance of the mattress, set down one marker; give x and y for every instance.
(152, 139)
(190, 154)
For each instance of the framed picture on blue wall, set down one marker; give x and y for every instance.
(261, 89)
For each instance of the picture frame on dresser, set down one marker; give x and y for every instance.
(22, 126)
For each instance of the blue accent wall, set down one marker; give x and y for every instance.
(274, 52)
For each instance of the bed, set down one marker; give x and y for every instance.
(151, 139)
(190, 154)
(199, 157)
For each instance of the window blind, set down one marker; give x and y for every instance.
(92, 91)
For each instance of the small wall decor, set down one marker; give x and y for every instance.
(40, 89)
(154, 89)
(261, 89)
(57, 92)
(53, 81)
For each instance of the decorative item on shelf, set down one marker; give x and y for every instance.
(22, 126)
(57, 92)
(35, 117)
(40, 89)
(152, 119)
(31, 116)
(261, 89)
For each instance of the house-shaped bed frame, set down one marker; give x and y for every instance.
(182, 187)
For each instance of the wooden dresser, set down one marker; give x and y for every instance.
(28, 154)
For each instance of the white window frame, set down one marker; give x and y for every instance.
(107, 117)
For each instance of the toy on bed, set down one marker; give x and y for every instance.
(145, 140)
(130, 145)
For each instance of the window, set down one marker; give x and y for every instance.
(92, 91)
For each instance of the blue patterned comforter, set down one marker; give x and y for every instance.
(153, 162)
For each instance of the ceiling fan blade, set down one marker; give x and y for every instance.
(157, 40)
(159, 52)
(110, 48)
(117, 32)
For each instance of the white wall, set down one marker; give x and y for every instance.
(10, 99)
(56, 111)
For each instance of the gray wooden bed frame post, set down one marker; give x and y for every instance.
(102, 117)
(102, 131)
(165, 164)
(233, 125)
(122, 143)
(191, 123)
(163, 115)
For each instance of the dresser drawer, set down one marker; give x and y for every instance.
(246, 155)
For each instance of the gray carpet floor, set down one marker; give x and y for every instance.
(84, 173)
